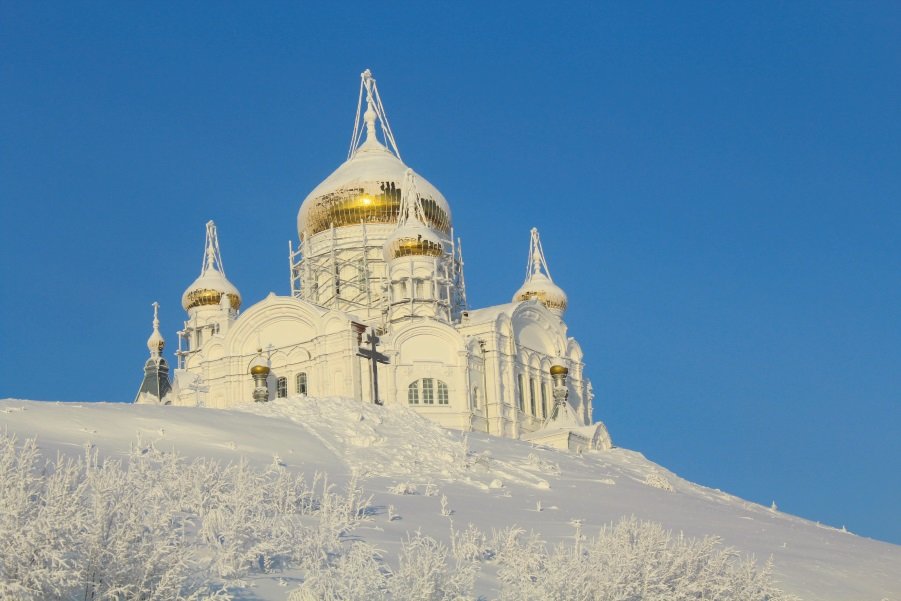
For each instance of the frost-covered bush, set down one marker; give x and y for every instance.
(157, 527)
(629, 560)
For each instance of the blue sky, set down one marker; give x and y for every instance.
(717, 187)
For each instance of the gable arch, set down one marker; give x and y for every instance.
(280, 321)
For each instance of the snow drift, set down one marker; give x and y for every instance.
(330, 499)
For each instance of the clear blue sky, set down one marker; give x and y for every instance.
(717, 187)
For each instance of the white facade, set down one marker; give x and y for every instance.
(377, 255)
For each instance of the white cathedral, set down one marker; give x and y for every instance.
(377, 312)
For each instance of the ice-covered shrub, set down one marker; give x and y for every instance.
(629, 560)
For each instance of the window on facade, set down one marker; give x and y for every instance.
(475, 397)
(522, 394)
(544, 399)
(282, 387)
(532, 395)
(423, 391)
(301, 381)
(199, 334)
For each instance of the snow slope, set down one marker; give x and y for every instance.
(409, 463)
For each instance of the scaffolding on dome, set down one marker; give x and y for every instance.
(373, 103)
(347, 273)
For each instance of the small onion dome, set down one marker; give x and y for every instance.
(541, 288)
(156, 342)
(412, 241)
(558, 370)
(259, 367)
(208, 290)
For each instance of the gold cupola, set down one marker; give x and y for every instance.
(366, 189)
(209, 288)
(412, 238)
(259, 366)
(538, 284)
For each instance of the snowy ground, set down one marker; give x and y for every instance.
(409, 464)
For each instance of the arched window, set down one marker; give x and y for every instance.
(282, 387)
(532, 395)
(424, 390)
(301, 381)
(522, 394)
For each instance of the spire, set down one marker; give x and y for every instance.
(374, 111)
(155, 386)
(209, 288)
(212, 258)
(411, 212)
(537, 264)
(538, 284)
(156, 342)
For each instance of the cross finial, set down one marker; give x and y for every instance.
(374, 111)
(537, 263)
(411, 211)
(212, 258)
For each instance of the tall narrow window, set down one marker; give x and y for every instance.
(522, 394)
(428, 391)
(282, 388)
(442, 393)
(475, 397)
(532, 395)
(302, 382)
(413, 394)
(544, 399)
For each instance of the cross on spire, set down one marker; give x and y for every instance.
(212, 258)
(374, 111)
(537, 264)
(411, 211)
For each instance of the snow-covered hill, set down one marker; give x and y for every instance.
(423, 478)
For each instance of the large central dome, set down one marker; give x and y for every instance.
(367, 187)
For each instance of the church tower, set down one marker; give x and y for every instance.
(538, 284)
(418, 283)
(212, 301)
(155, 387)
(344, 222)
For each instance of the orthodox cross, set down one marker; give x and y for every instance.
(374, 357)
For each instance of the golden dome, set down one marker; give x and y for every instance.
(207, 290)
(558, 370)
(206, 296)
(417, 241)
(259, 366)
(542, 289)
(367, 189)
(259, 370)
